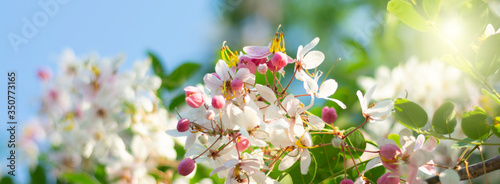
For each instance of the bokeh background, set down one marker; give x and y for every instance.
(360, 32)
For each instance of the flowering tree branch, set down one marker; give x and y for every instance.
(475, 170)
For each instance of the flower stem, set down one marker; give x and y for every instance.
(366, 120)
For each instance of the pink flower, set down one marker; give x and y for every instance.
(386, 179)
(237, 84)
(218, 102)
(346, 181)
(329, 115)
(242, 143)
(186, 166)
(183, 125)
(278, 62)
(389, 155)
(194, 97)
(251, 63)
(44, 74)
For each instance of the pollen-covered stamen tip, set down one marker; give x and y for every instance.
(186, 166)
(183, 125)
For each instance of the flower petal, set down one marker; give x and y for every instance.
(316, 122)
(327, 88)
(257, 51)
(222, 70)
(429, 144)
(288, 161)
(266, 93)
(340, 103)
(305, 161)
(307, 48)
(420, 157)
(313, 59)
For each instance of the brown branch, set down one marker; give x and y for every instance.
(475, 170)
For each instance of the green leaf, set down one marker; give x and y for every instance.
(487, 93)
(406, 13)
(488, 57)
(409, 114)
(356, 140)
(474, 16)
(38, 175)
(100, 174)
(459, 63)
(444, 120)
(432, 7)
(460, 144)
(180, 75)
(6, 180)
(177, 101)
(474, 124)
(297, 176)
(285, 178)
(327, 157)
(395, 138)
(157, 65)
(79, 177)
(375, 173)
(496, 126)
(203, 172)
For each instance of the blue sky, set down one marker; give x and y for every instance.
(33, 35)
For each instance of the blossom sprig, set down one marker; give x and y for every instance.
(96, 115)
(242, 129)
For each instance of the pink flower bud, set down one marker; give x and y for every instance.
(389, 154)
(246, 62)
(186, 166)
(329, 115)
(183, 125)
(278, 61)
(388, 180)
(218, 102)
(262, 68)
(210, 115)
(259, 61)
(242, 143)
(346, 181)
(237, 84)
(194, 97)
(45, 74)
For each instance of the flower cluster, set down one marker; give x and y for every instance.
(98, 116)
(242, 128)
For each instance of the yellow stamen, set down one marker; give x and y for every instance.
(230, 57)
(278, 41)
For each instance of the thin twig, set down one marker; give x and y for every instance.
(475, 170)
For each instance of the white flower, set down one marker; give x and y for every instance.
(325, 90)
(377, 112)
(310, 59)
(301, 151)
(219, 83)
(490, 31)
